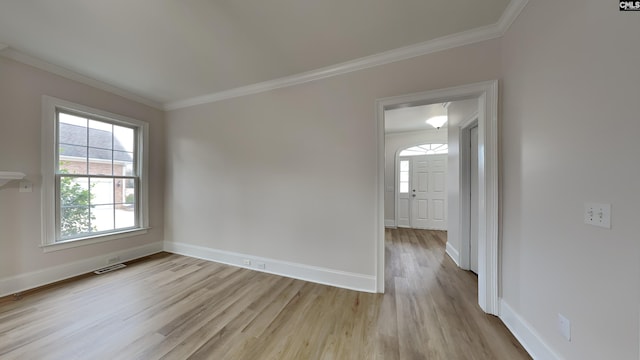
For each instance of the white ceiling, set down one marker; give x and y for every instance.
(168, 50)
(412, 118)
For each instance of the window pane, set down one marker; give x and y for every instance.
(125, 191)
(404, 176)
(72, 130)
(122, 163)
(72, 159)
(100, 134)
(404, 188)
(74, 191)
(125, 216)
(102, 217)
(100, 162)
(404, 165)
(123, 138)
(74, 220)
(101, 191)
(65, 118)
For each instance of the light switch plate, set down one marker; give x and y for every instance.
(597, 215)
(564, 325)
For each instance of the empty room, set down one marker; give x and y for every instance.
(218, 179)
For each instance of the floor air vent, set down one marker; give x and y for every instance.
(109, 268)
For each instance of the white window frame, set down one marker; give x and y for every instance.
(50, 107)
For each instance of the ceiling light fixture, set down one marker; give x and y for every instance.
(437, 121)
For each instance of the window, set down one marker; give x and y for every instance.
(94, 175)
(404, 176)
(426, 149)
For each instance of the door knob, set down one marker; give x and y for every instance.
(414, 195)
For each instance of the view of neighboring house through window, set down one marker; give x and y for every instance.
(96, 176)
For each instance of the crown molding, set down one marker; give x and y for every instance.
(468, 37)
(21, 57)
(407, 52)
(510, 14)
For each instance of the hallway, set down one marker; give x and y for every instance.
(430, 308)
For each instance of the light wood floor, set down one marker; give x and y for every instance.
(175, 307)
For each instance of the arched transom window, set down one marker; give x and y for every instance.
(426, 149)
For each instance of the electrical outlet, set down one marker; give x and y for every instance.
(113, 260)
(597, 215)
(26, 186)
(564, 325)
(261, 265)
(246, 262)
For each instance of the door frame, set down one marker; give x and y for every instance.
(487, 95)
(465, 189)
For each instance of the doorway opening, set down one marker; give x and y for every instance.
(484, 96)
(415, 167)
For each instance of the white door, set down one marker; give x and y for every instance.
(473, 228)
(404, 199)
(429, 192)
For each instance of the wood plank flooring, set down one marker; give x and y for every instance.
(175, 307)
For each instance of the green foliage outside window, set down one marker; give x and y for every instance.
(75, 214)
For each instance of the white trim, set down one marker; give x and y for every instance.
(510, 14)
(469, 120)
(390, 223)
(68, 244)
(18, 56)
(453, 253)
(320, 275)
(526, 334)
(487, 95)
(34, 279)
(472, 36)
(464, 190)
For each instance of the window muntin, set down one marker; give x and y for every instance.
(426, 149)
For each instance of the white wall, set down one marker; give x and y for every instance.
(290, 174)
(570, 129)
(458, 112)
(395, 142)
(22, 262)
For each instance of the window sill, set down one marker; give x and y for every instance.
(68, 244)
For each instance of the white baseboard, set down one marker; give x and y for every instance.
(526, 335)
(453, 253)
(342, 279)
(390, 223)
(34, 279)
